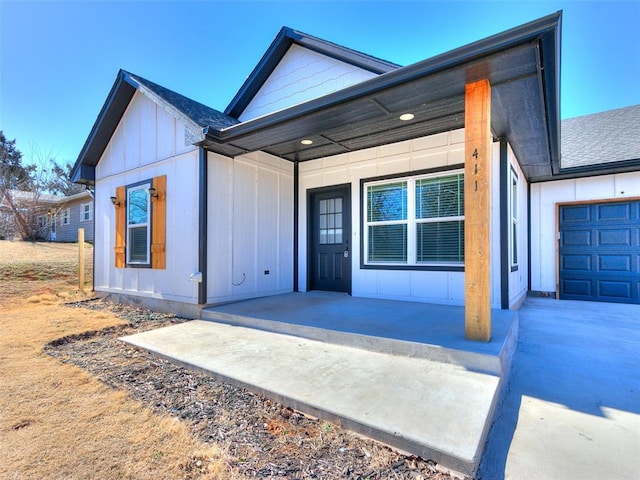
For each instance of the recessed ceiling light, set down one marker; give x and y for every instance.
(306, 141)
(405, 117)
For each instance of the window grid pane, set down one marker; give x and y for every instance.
(330, 221)
(388, 243)
(138, 244)
(440, 241)
(387, 202)
(440, 197)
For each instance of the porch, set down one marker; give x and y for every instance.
(412, 329)
(399, 372)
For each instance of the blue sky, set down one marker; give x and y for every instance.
(58, 60)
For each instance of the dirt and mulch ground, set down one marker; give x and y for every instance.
(191, 425)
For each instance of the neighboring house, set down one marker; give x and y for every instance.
(334, 170)
(37, 211)
(74, 211)
(54, 218)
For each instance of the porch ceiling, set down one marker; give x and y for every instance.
(522, 66)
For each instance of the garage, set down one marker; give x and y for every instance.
(599, 251)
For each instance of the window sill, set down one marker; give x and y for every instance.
(424, 268)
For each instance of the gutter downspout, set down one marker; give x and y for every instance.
(93, 241)
(202, 224)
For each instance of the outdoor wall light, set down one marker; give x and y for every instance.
(115, 201)
(152, 192)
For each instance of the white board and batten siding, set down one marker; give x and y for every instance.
(302, 75)
(545, 196)
(149, 142)
(250, 227)
(518, 274)
(442, 150)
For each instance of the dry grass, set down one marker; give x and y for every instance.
(56, 421)
(36, 268)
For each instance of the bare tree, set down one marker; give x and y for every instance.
(27, 206)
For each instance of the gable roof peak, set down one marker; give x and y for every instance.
(285, 38)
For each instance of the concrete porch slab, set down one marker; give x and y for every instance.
(435, 410)
(439, 410)
(433, 332)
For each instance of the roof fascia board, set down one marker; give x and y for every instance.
(76, 196)
(610, 168)
(116, 89)
(279, 47)
(530, 32)
(343, 54)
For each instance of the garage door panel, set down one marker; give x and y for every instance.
(577, 288)
(613, 211)
(579, 213)
(581, 263)
(577, 237)
(599, 252)
(614, 290)
(619, 236)
(614, 263)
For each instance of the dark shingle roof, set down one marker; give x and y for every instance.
(195, 111)
(601, 138)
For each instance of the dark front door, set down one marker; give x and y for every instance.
(329, 239)
(599, 252)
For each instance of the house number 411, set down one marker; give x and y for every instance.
(475, 155)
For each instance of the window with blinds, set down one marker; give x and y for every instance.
(138, 238)
(415, 221)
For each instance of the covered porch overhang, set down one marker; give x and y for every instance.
(504, 87)
(521, 65)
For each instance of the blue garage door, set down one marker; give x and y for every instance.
(600, 252)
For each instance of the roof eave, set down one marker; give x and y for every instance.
(546, 30)
(117, 101)
(279, 47)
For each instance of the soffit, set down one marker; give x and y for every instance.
(366, 115)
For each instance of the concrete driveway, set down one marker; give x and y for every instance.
(572, 410)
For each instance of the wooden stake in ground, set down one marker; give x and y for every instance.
(81, 259)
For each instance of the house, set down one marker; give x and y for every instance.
(48, 217)
(35, 211)
(334, 170)
(73, 212)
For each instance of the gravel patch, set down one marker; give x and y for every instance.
(263, 439)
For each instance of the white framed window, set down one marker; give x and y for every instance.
(415, 221)
(513, 209)
(138, 224)
(86, 212)
(65, 216)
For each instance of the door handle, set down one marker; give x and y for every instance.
(346, 253)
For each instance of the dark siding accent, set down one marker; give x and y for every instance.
(505, 223)
(296, 224)
(202, 224)
(529, 237)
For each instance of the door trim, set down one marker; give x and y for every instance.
(310, 229)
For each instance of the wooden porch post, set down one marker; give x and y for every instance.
(477, 211)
